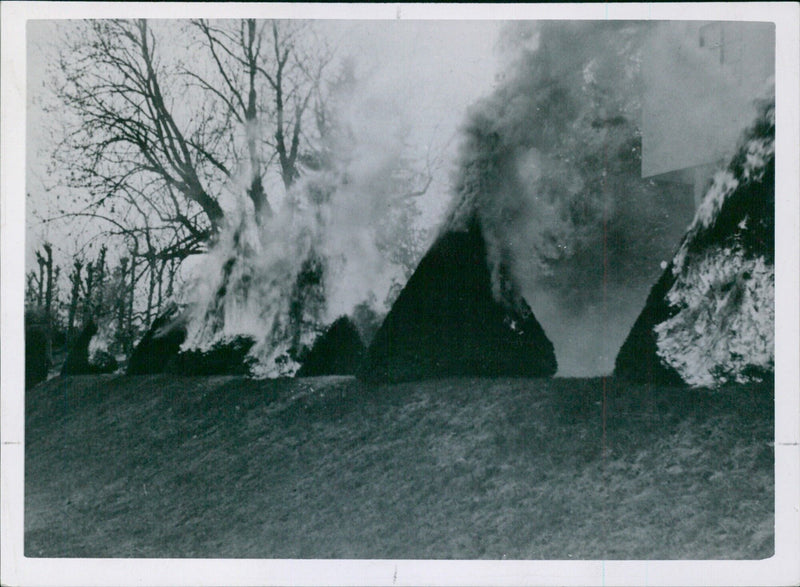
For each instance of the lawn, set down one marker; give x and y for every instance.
(166, 466)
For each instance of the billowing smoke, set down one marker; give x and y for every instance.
(552, 163)
(281, 278)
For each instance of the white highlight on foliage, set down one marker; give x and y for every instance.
(329, 215)
(726, 322)
(723, 185)
(758, 152)
(265, 262)
(100, 344)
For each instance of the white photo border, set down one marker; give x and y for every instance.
(782, 568)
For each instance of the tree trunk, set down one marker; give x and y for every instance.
(129, 311)
(256, 189)
(87, 298)
(100, 271)
(48, 303)
(171, 282)
(75, 294)
(160, 298)
(40, 294)
(151, 287)
(121, 303)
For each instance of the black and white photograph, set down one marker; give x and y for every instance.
(337, 295)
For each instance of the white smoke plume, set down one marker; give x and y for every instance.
(282, 279)
(552, 163)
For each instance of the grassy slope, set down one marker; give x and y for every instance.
(159, 466)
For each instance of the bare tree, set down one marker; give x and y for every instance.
(236, 52)
(46, 279)
(76, 282)
(152, 154)
(264, 77)
(127, 139)
(165, 118)
(295, 76)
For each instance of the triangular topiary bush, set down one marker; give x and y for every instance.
(339, 351)
(160, 345)
(80, 362)
(449, 320)
(710, 317)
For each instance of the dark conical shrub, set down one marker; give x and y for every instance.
(339, 351)
(448, 322)
(160, 345)
(226, 357)
(710, 317)
(37, 344)
(638, 359)
(78, 361)
(159, 351)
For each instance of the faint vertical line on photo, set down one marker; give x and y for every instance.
(604, 328)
